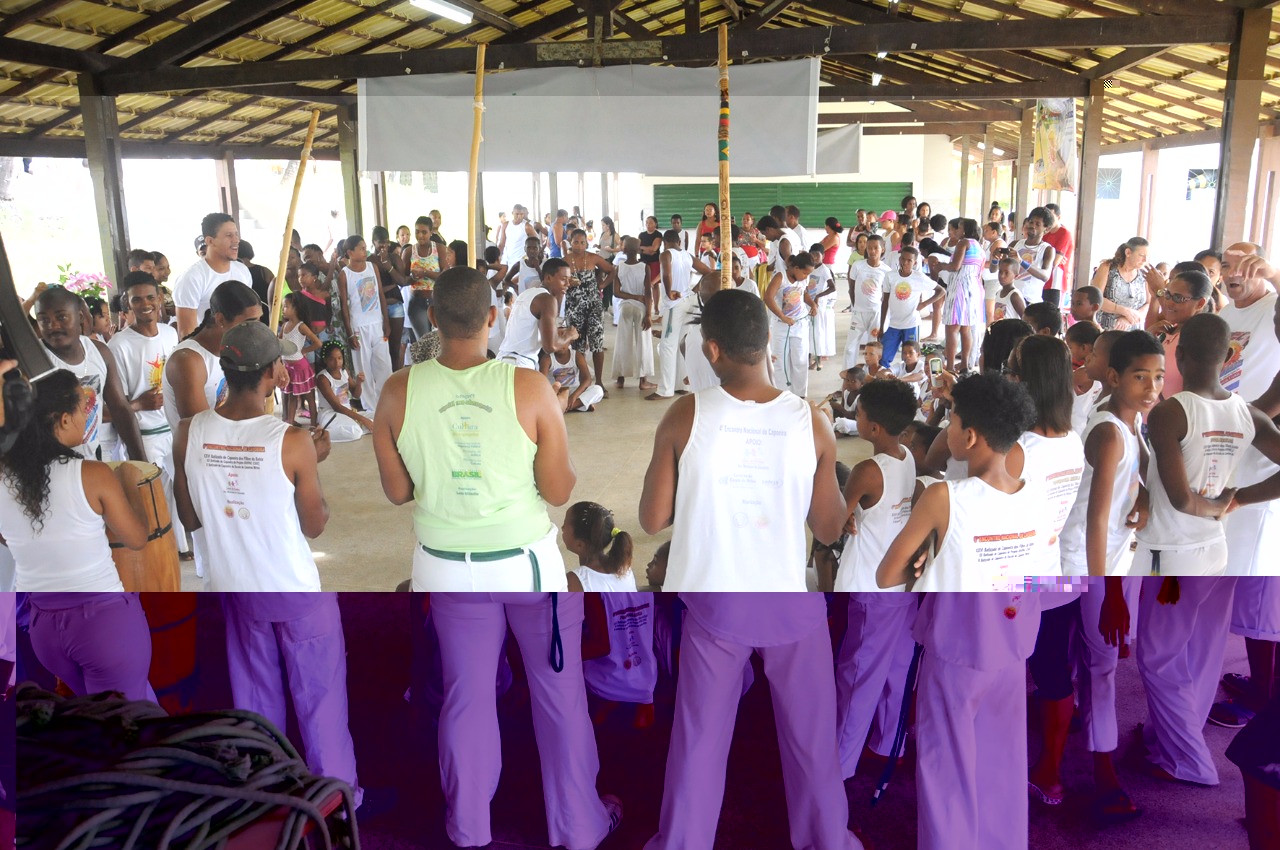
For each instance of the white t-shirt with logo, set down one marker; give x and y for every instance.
(140, 360)
(905, 295)
(868, 285)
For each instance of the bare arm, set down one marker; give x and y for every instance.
(105, 493)
(181, 493)
(553, 471)
(865, 481)
(1167, 426)
(121, 409)
(188, 318)
(658, 500)
(554, 338)
(302, 465)
(929, 516)
(1103, 451)
(397, 484)
(187, 375)
(1266, 439)
(771, 298)
(827, 510)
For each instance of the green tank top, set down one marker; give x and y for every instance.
(471, 462)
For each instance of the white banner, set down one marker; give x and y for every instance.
(641, 118)
(840, 150)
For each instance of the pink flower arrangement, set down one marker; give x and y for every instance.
(88, 284)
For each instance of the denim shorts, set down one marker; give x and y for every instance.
(395, 310)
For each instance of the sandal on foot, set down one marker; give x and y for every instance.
(613, 806)
(1237, 685)
(1114, 807)
(1048, 799)
(1229, 714)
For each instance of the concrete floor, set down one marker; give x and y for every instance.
(368, 544)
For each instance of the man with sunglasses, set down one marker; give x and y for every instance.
(1184, 295)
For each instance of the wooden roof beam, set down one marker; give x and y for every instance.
(953, 91)
(1123, 61)
(20, 145)
(770, 10)
(32, 13)
(49, 56)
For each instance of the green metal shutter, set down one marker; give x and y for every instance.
(816, 201)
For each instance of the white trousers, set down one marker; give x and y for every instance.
(670, 363)
(1096, 664)
(707, 695)
(303, 658)
(160, 452)
(373, 357)
(1253, 539)
(871, 676)
(971, 768)
(471, 628)
(861, 323)
(591, 396)
(1205, 561)
(102, 644)
(1255, 612)
(1180, 651)
(790, 345)
(633, 346)
(431, 573)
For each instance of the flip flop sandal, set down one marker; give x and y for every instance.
(1238, 685)
(1114, 807)
(1048, 799)
(1229, 714)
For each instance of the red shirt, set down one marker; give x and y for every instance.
(1062, 242)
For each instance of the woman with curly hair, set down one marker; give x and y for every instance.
(55, 507)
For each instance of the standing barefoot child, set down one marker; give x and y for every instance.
(603, 549)
(337, 388)
(302, 378)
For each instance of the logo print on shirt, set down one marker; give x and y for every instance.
(902, 290)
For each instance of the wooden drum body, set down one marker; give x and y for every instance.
(155, 567)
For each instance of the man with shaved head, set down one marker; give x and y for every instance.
(60, 319)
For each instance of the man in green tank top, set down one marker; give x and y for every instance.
(480, 447)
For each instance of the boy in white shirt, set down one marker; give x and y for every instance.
(866, 295)
(788, 299)
(907, 293)
(911, 368)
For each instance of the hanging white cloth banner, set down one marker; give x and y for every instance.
(840, 150)
(652, 120)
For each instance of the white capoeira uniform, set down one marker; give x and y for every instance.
(633, 351)
(867, 282)
(790, 343)
(670, 363)
(823, 327)
(720, 633)
(472, 628)
(373, 357)
(93, 642)
(523, 338)
(971, 769)
(1177, 544)
(876, 653)
(298, 636)
(1255, 613)
(1180, 651)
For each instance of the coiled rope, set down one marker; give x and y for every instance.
(101, 771)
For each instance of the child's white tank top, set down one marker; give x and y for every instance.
(696, 365)
(528, 276)
(1124, 492)
(681, 273)
(1054, 464)
(594, 581)
(746, 482)
(633, 279)
(253, 538)
(878, 525)
(1082, 407)
(629, 673)
(1218, 432)
(69, 552)
(993, 539)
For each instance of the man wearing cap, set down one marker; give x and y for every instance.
(250, 480)
(191, 291)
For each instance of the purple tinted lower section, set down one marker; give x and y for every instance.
(468, 720)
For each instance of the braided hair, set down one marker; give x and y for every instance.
(25, 469)
(593, 524)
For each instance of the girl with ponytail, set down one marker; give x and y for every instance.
(604, 550)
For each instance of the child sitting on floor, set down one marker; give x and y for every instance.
(337, 389)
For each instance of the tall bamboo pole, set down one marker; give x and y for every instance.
(278, 298)
(473, 176)
(726, 228)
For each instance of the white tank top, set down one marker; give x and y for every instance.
(598, 582)
(629, 673)
(878, 525)
(70, 551)
(1031, 288)
(91, 371)
(339, 386)
(236, 477)
(696, 365)
(523, 336)
(1218, 432)
(1055, 464)
(681, 272)
(1082, 408)
(993, 539)
(633, 279)
(1004, 305)
(527, 276)
(215, 384)
(778, 265)
(746, 481)
(565, 372)
(1124, 492)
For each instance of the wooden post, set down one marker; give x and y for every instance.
(1242, 101)
(228, 195)
(1087, 191)
(726, 229)
(102, 149)
(1026, 152)
(473, 176)
(349, 155)
(278, 297)
(988, 175)
(1147, 189)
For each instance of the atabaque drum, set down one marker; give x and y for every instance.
(155, 567)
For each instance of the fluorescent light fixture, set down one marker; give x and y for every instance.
(881, 54)
(444, 10)
(875, 79)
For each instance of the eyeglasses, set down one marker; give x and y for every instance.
(1175, 297)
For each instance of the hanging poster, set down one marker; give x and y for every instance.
(1054, 166)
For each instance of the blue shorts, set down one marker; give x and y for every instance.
(395, 310)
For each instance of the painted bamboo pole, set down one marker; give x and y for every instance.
(278, 298)
(726, 227)
(473, 177)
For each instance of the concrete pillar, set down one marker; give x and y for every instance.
(964, 176)
(1266, 191)
(380, 199)
(1147, 190)
(606, 208)
(228, 195)
(1242, 101)
(988, 177)
(1026, 151)
(102, 148)
(553, 200)
(477, 250)
(348, 153)
(1087, 193)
